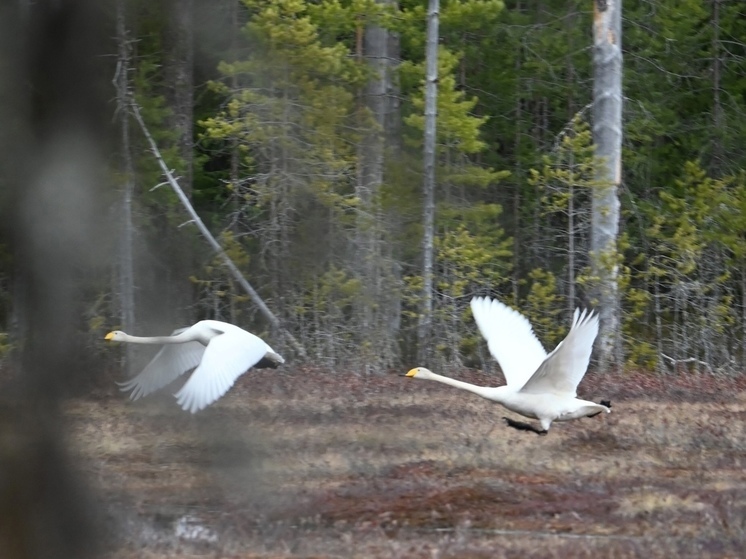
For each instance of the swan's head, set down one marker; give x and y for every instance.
(115, 336)
(419, 372)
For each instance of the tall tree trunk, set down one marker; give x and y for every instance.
(126, 240)
(235, 31)
(391, 280)
(428, 214)
(717, 109)
(179, 72)
(743, 312)
(392, 128)
(571, 237)
(375, 265)
(607, 136)
(374, 44)
(518, 256)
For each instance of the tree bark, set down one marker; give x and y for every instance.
(428, 214)
(393, 121)
(607, 136)
(178, 68)
(374, 49)
(571, 237)
(235, 31)
(126, 240)
(717, 108)
(179, 73)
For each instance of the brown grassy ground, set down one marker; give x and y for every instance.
(311, 464)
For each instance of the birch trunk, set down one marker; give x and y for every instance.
(607, 136)
(428, 214)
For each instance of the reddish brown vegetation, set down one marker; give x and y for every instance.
(308, 463)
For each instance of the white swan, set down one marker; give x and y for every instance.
(221, 353)
(539, 386)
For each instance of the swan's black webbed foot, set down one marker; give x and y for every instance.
(606, 403)
(521, 426)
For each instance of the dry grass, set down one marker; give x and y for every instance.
(310, 464)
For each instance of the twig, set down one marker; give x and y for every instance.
(258, 301)
(160, 184)
(675, 362)
(539, 533)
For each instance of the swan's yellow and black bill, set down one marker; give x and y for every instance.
(411, 373)
(109, 336)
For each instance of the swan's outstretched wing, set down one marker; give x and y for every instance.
(227, 357)
(172, 361)
(564, 368)
(510, 338)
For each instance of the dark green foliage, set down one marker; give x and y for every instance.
(282, 122)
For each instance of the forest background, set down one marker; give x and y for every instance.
(295, 128)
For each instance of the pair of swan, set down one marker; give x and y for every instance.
(538, 386)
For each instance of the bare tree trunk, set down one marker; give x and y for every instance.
(607, 136)
(235, 29)
(743, 312)
(180, 75)
(658, 322)
(391, 279)
(392, 129)
(374, 44)
(517, 236)
(428, 216)
(717, 109)
(571, 239)
(126, 241)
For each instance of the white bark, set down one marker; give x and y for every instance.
(607, 136)
(428, 215)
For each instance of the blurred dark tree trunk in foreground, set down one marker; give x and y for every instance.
(52, 105)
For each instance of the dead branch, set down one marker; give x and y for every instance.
(257, 300)
(675, 362)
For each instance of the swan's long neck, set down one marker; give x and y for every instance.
(178, 339)
(483, 391)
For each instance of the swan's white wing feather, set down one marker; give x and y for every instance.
(226, 358)
(510, 338)
(172, 361)
(564, 368)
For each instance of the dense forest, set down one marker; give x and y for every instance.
(296, 131)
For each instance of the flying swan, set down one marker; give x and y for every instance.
(221, 353)
(538, 385)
